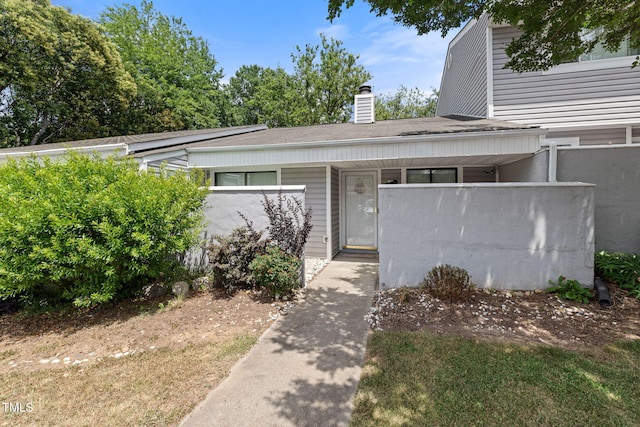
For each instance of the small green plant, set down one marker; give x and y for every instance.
(620, 268)
(570, 290)
(449, 283)
(276, 271)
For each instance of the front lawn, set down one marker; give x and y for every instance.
(423, 378)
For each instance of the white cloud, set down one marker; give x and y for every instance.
(336, 31)
(396, 55)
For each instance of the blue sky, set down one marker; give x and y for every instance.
(246, 32)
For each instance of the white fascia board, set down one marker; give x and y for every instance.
(468, 26)
(450, 136)
(61, 151)
(168, 142)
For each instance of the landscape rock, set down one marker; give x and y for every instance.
(180, 289)
(154, 290)
(201, 283)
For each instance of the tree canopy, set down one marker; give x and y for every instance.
(406, 103)
(176, 74)
(553, 31)
(320, 90)
(60, 76)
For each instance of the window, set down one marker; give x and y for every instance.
(432, 176)
(246, 178)
(599, 52)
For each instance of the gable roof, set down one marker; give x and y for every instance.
(314, 144)
(352, 145)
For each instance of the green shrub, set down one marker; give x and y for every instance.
(276, 271)
(620, 268)
(449, 283)
(90, 230)
(570, 290)
(231, 256)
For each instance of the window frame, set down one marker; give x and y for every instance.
(454, 169)
(244, 177)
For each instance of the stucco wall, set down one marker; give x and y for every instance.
(616, 172)
(507, 236)
(224, 203)
(531, 169)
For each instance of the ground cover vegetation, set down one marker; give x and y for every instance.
(446, 354)
(88, 230)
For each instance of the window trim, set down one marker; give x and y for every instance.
(596, 64)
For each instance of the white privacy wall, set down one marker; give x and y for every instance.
(507, 235)
(224, 203)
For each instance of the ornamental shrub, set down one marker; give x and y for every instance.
(231, 256)
(289, 224)
(449, 283)
(91, 230)
(276, 271)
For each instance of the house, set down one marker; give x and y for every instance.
(421, 192)
(590, 107)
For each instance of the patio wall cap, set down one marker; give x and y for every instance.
(255, 188)
(489, 185)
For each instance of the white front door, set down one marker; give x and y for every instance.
(360, 190)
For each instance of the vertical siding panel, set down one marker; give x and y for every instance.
(315, 180)
(464, 83)
(335, 211)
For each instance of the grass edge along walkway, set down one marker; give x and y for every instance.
(418, 378)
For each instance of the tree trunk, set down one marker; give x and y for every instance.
(43, 129)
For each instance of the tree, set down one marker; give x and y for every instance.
(552, 30)
(327, 77)
(406, 104)
(178, 82)
(60, 76)
(241, 92)
(320, 90)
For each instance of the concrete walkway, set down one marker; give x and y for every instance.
(304, 370)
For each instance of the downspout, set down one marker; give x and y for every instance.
(553, 161)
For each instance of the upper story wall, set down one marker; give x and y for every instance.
(463, 89)
(595, 93)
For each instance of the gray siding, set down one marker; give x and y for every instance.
(593, 136)
(562, 99)
(335, 211)
(316, 199)
(464, 83)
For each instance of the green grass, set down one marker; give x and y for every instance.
(420, 379)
